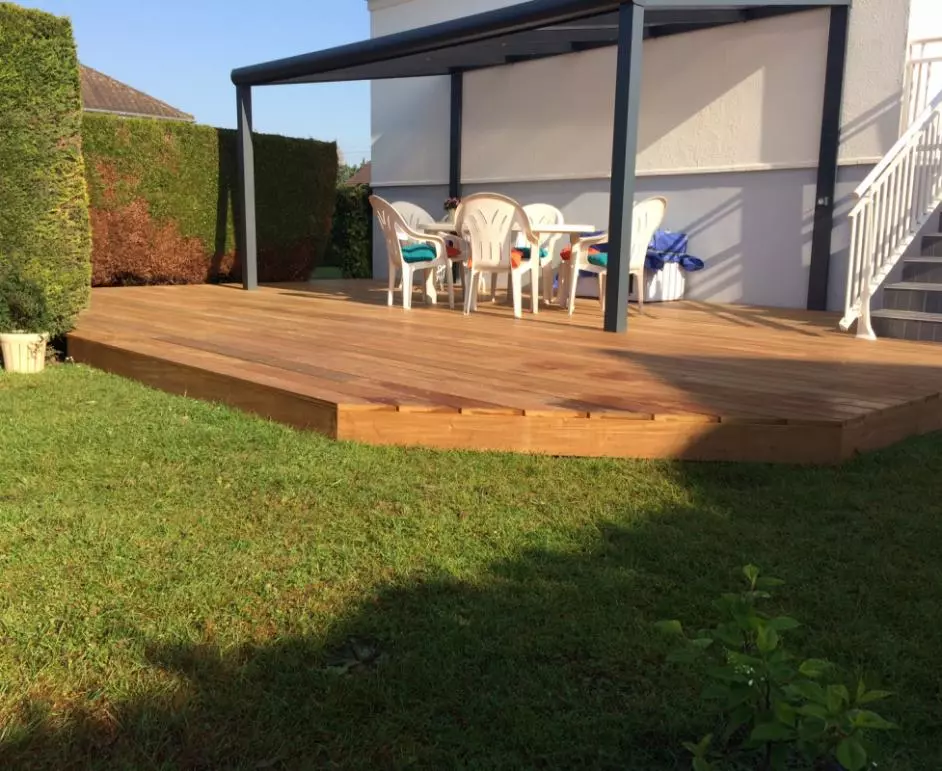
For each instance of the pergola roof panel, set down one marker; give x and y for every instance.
(521, 32)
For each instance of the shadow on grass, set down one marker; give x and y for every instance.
(546, 663)
(547, 659)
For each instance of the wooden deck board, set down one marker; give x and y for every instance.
(689, 380)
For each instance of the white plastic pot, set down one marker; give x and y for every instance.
(23, 353)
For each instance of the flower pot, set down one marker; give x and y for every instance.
(23, 352)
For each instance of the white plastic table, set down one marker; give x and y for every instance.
(574, 231)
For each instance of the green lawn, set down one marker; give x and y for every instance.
(182, 586)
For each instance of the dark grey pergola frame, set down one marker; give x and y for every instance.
(538, 29)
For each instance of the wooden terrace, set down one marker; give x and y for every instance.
(689, 380)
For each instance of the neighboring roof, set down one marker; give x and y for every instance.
(515, 33)
(363, 175)
(103, 94)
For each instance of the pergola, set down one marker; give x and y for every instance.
(542, 28)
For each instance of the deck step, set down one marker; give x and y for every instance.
(926, 268)
(920, 296)
(932, 244)
(907, 325)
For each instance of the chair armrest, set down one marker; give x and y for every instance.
(589, 241)
(583, 245)
(525, 230)
(415, 235)
(433, 238)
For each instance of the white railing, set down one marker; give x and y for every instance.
(894, 202)
(922, 79)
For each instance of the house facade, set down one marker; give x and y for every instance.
(729, 132)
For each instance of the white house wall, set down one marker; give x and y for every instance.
(715, 100)
(735, 98)
(925, 19)
(730, 122)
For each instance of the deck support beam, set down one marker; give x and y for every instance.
(827, 159)
(624, 150)
(245, 155)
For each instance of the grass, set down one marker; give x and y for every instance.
(183, 586)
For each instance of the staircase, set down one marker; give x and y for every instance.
(895, 204)
(912, 307)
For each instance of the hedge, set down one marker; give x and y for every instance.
(351, 242)
(44, 226)
(162, 196)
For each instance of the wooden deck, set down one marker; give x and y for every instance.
(689, 380)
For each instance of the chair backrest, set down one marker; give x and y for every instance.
(542, 214)
(392, 223)
(415, 216)
(647, 217)
(487, 221)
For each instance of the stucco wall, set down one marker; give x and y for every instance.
(737, 98)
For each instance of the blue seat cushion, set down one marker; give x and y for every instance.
(599, 259)
(418, 253)
(525, 252)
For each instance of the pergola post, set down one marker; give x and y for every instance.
(624, 150)
(248, 249)
(454, 147)
(827, 159)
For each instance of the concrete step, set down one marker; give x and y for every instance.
(908, 325)
(925, 269)
(923, 297)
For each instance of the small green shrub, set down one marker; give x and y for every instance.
(351, 242)
(773, 710)
(44, 231)
(23, 306)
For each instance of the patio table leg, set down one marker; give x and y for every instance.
(566, 275)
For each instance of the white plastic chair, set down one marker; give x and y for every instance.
(400, 236)
(544, 214)
(487, 221)
(646, 218)
(538, 214)
(416, 217)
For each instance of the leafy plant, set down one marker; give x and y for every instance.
(23, 305)
(773, 709)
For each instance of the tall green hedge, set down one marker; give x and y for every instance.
(162, 195)
(351, 242)
(44, 229)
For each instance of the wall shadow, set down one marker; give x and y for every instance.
(228, 204)
(291, 239)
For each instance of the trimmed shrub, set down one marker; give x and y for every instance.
(162, 202)
(44, 232)
(351, 242)
(23, 304)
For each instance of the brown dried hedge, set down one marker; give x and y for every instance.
(162, 202)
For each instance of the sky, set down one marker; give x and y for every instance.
(182, 51)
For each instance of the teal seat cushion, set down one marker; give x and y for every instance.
(418, 253)
(599, 259)
(525, 252)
